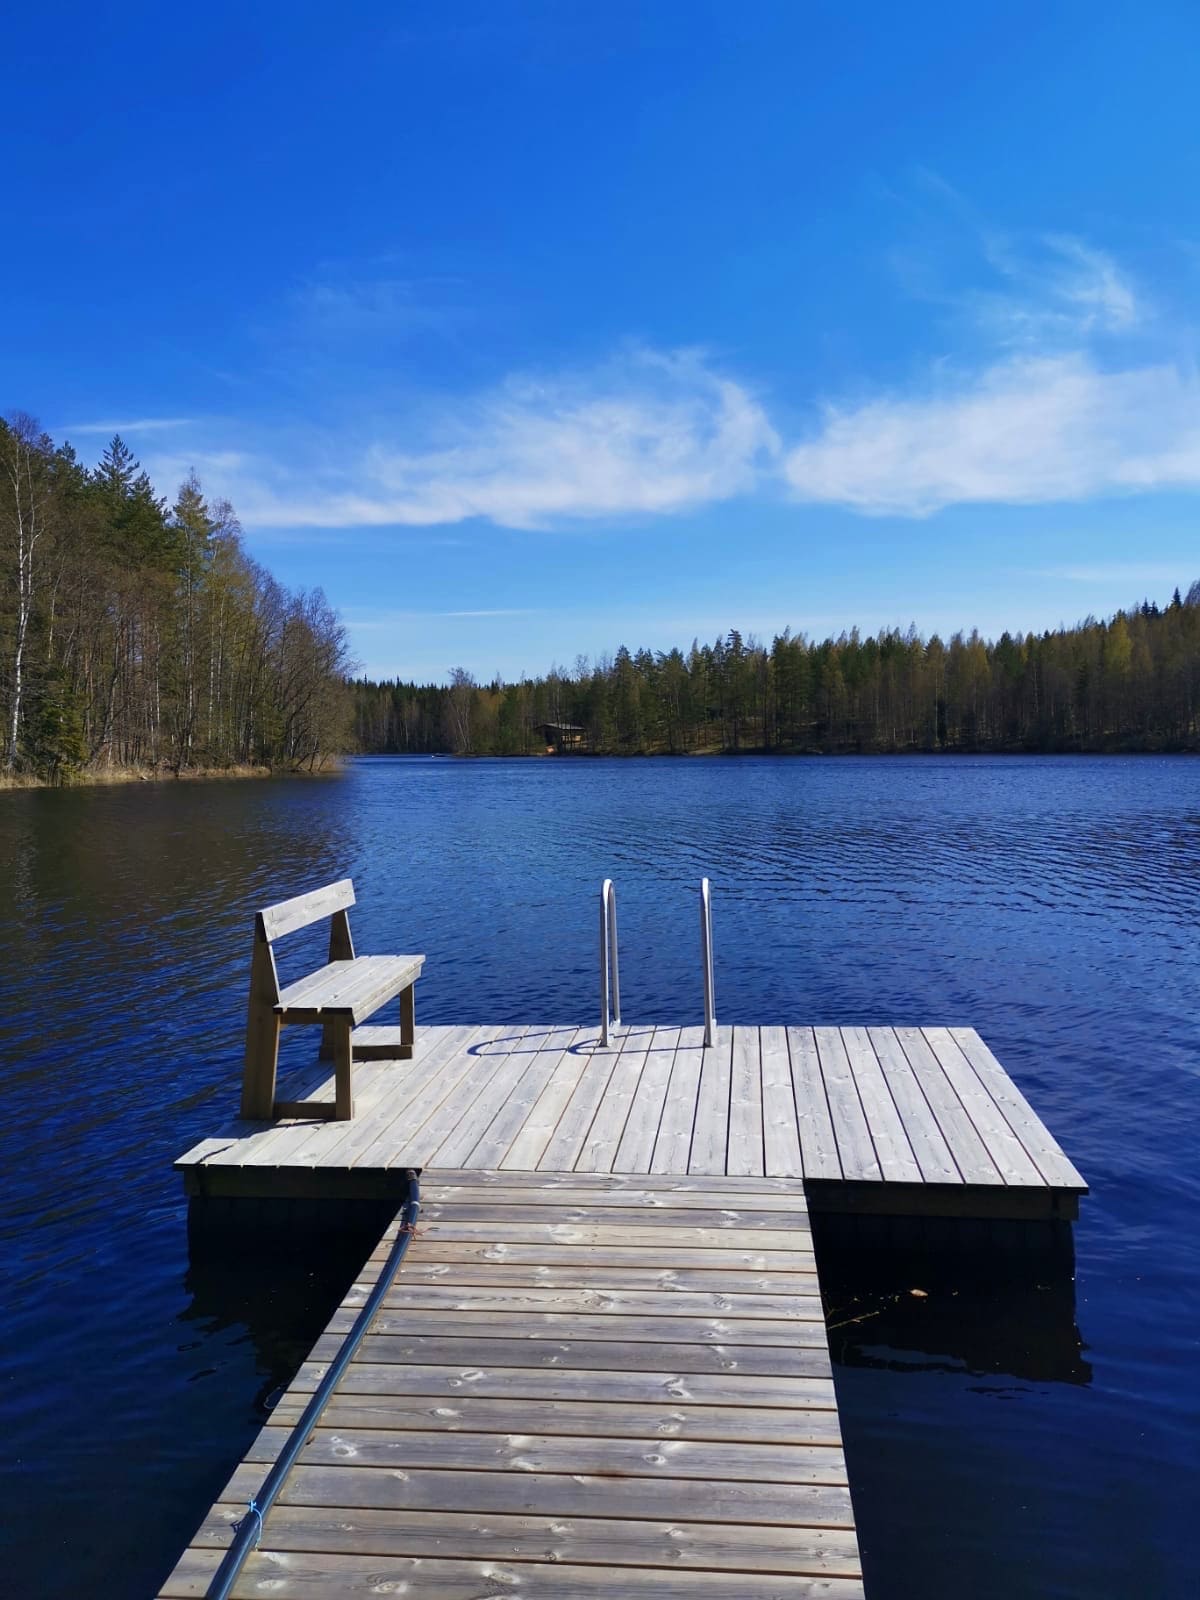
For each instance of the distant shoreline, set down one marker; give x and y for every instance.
(106, 777)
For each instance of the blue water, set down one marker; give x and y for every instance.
(1038, 1440)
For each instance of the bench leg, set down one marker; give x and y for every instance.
(325, 1053)
(408, 1021)
(343, 1064)
(262, 1063)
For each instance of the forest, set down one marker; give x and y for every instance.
(137, 635)
(1128, 683)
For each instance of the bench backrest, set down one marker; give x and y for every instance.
(303, 909)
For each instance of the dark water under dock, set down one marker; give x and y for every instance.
(1003, 1441)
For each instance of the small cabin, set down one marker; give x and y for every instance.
(562, 735)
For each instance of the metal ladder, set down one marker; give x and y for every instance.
(610, 964)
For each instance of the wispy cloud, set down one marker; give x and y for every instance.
(1022, 431)
(651, 433)
(130, 425)
(1051, 290)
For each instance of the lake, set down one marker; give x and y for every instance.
(1039, 1443)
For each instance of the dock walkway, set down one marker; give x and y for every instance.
(577, 1386)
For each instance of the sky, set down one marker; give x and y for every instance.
(528, 330)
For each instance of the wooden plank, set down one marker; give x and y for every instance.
(587, 1541)
(1010, 1156)
(818, 1142)
(679, 1182)
(302, 909)
(645, 1114)
(897, 1161)
(969, 1151)
(589, 1419)
(781, 1129)
(710, 1137)
(563, 1147)
(431, 1114)
(855, 1148)
(737, 1257)
(620, 1234)
(509, 1298)
(349, 988)
(725, 1217)
(300, 1577)
(651, 1195)
(653, 1457)
(585, 1274)
(673, 1142)
(928, 1142)
(552, 1045)
(557, 1494)
(478, 1109)
(1044, 1150)
(599, 1148)
(381, 1090)
(555, 1384)
(403, 1321)
(531, 1140)
(604, 1355)
(745, 1151)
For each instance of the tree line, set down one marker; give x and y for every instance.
(1129, 682)
(139, 634)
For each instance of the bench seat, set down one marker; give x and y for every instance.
(354, 989)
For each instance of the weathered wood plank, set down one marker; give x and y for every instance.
(599, 1148)
(288, 916)
(480, 1106)
(587, 1541)
(673, 1142)
(855, 1148)
(729, 1285)
(531, 1140)
(1049, 1156)
(565, 1143)
(737, 1257)
(620, 1234)
(403, 1321)
(818, 1142)
(781, 1131)
(508, 1298)
(652, 1195)
(588, 1419)
(645, 1114)
(603, 1355)
(302, 1576)
(744, 1154)
(710, 1137)
(928, 1142)
(552, 1045)
(553, 1383)
(970, 1153)
(894, 1153)
(556, 1494)
(1010, 1156)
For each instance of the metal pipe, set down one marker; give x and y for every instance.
(610, 963)
(706, 957)
(249, 1529)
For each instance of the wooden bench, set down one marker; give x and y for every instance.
(339, 996)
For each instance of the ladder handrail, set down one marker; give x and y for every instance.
(610, 965)
(706, 957)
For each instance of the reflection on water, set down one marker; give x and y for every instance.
(984, 1315)
(1050, 903)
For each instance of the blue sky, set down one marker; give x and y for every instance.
(528, 330)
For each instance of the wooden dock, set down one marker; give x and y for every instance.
(907, 1121)
(577, 1386)
(603, 1369)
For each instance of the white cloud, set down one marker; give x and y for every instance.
(1025, 430)
(1053, 291)
(134, 425)
(650, 434)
